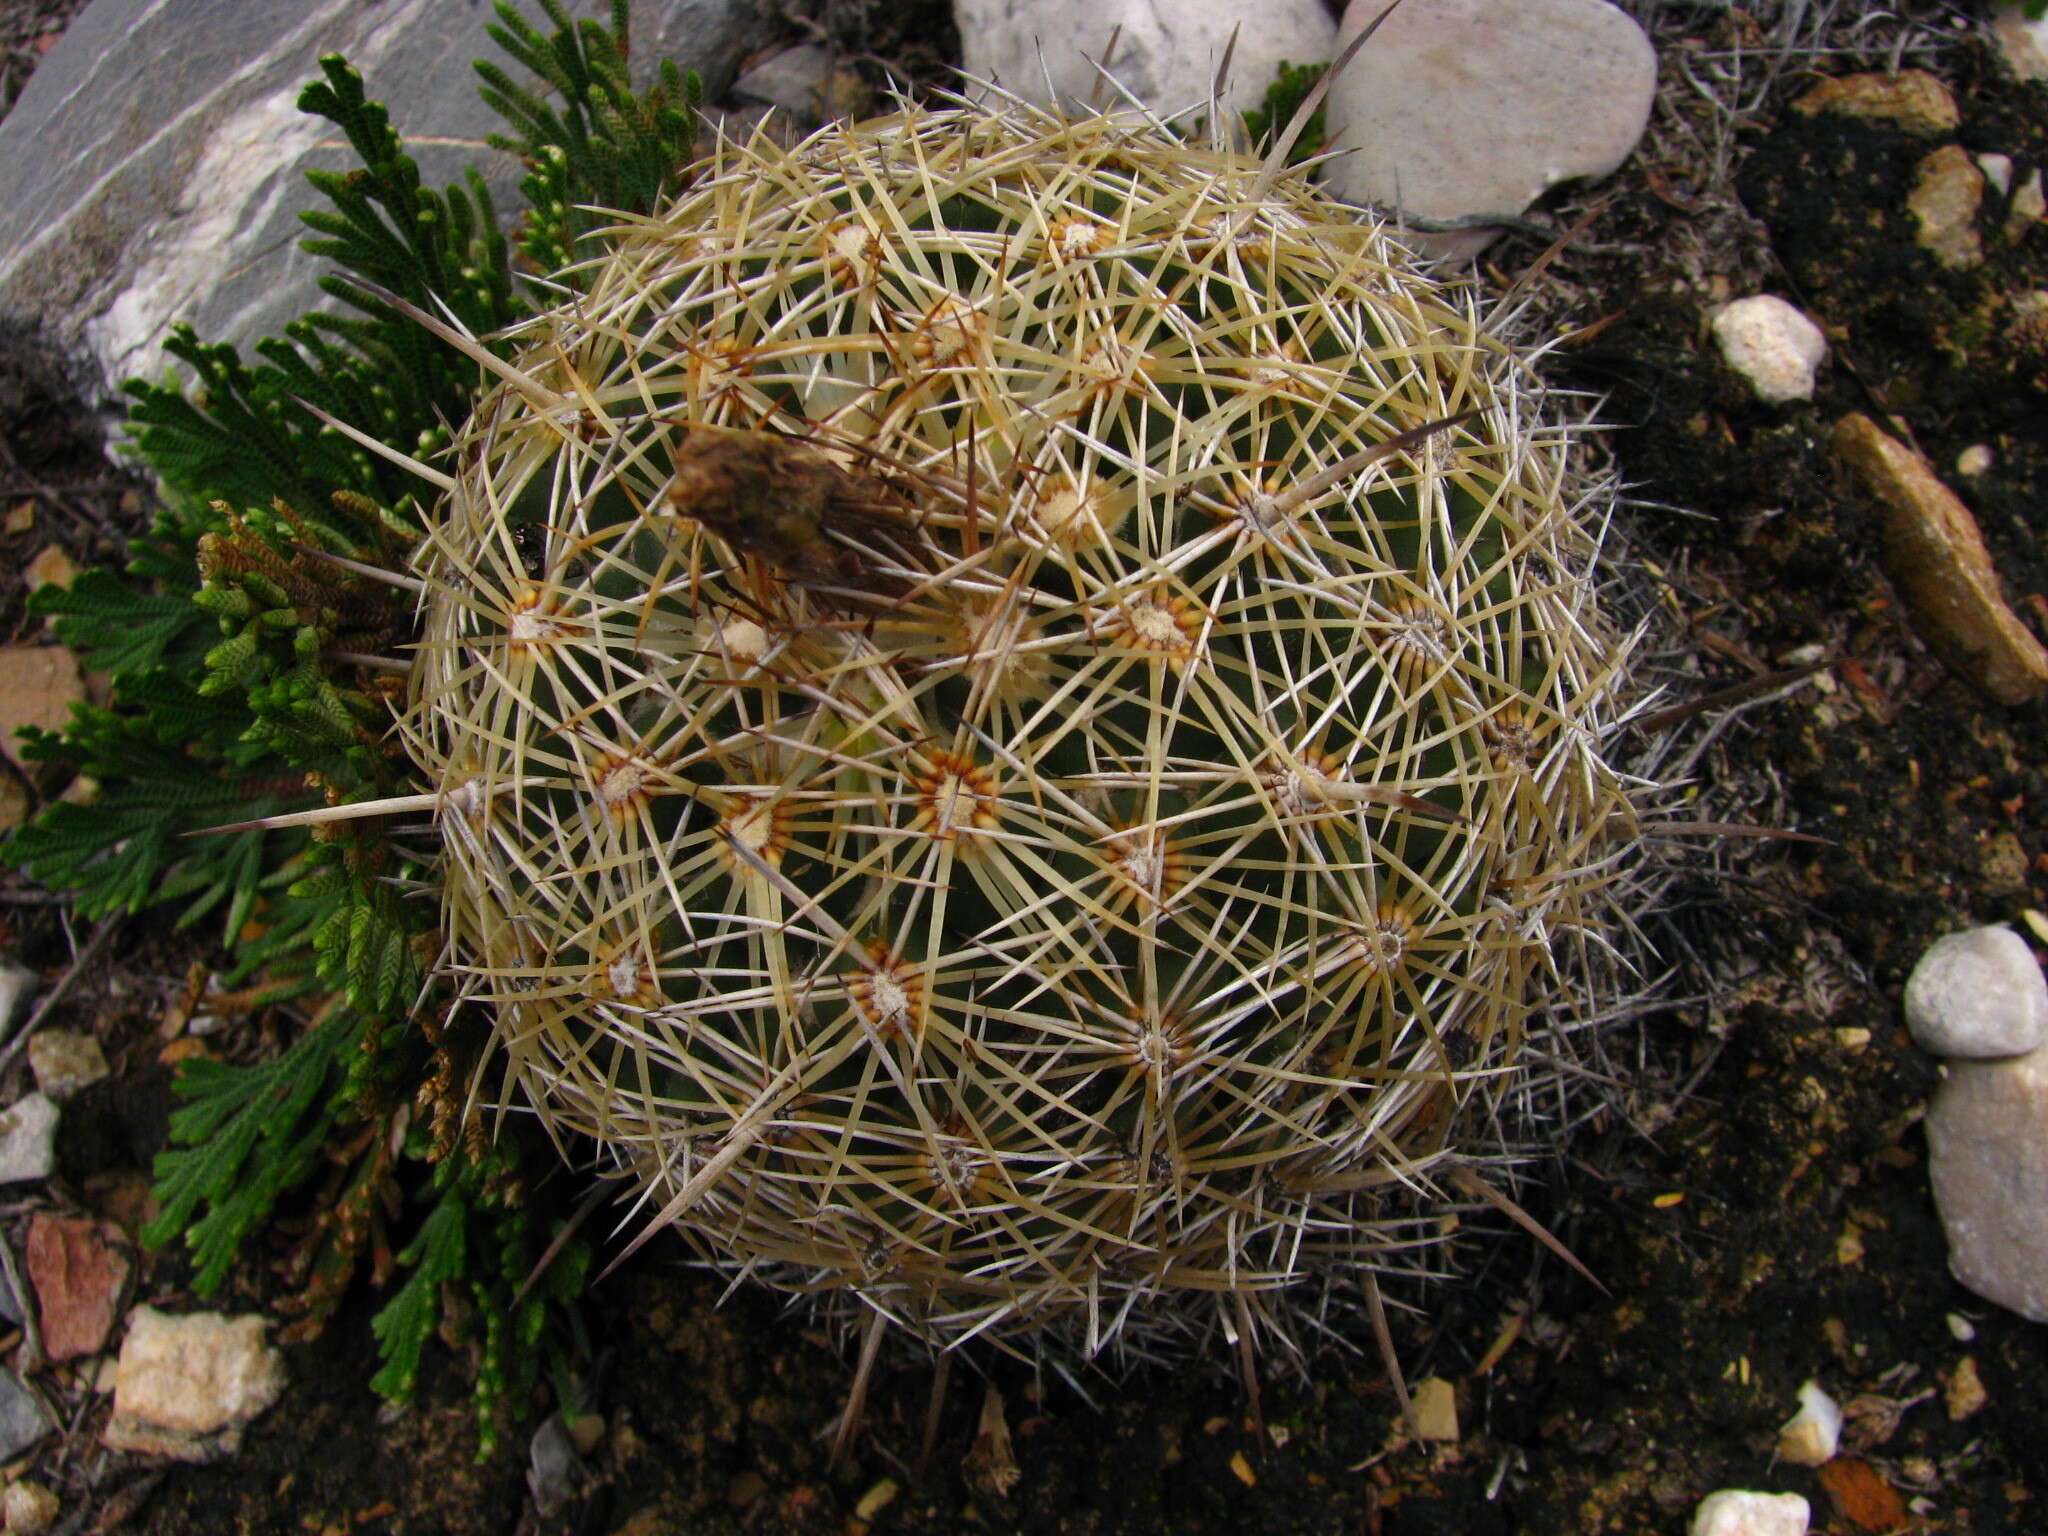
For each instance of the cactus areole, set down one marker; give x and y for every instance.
(1016, 708)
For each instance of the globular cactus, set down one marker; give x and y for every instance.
(1016, 707)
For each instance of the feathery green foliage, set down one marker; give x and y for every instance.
(251, 650)
(1282, 100)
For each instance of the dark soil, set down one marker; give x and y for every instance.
(1755, 1202)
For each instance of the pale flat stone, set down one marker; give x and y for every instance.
(187, 1386)
(1987, 1144)
(1912, 99)
(38, 686)
(1463, 108)
(1935, 552)
(121, 211)
(65, 1061)
(1741, 1512)
(17, 985)
(1046, 51)
(28, 1140)
(2022, 39)
(1772, 344)
(1978, 994)
(1947, 191)
(27, 1508)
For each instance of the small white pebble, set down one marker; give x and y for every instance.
(29, 1508)
(1852, 1037)
(1771, 344)
(1997, 170)
(1977, 994)
(17, 984)
(1975, 460)
(1960, 1328)
(1740, 1512)
(1811, 1435)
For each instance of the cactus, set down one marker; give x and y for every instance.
(1015, 707)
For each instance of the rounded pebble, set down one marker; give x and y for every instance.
(1978, 994)
(1740, 1512)
(1975, 460)
(1811, 1435)
(1771, 344)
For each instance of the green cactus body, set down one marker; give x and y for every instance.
(938, 787)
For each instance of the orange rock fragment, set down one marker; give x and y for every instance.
(1935, 553)
(1862, 1499)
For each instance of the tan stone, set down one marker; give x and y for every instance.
(1436, 1409)
(187, 1386)
(1965, 1394)
(2023, 40)
(1935, 553)
(13, 802)
(1947, 192)
(1912, 98)
(51, 568)
(65, 1061)
(38, 686)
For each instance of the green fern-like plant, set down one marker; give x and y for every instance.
(246, 642)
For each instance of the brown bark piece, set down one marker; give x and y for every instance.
(1935, 553)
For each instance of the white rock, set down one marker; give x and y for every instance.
(1463, 108)
(1811, 1435)
(17, 985)
(1772, 344)
(65, 1061)
(114, 221)
(2024, 42)
(1975, 460)
(28, 1140)
(187, 1386)
(1046, 51)
(29, 1508)
(1978, 994)
(1740, 1512)
(1987, 1158)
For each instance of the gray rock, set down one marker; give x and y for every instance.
(1046, 51)
(1987, 1145)
(806, 83)
(1458, 109)
(153, 170)
(22, 1420)
(28, 1140)
(1978, 994)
